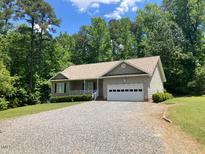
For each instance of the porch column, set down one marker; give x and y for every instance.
(84, 87)
(68, 88)
(97, 87)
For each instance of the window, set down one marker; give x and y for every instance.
(126, 90)
(114, 90)
(122, 90)
(131, 90)
(135, 90)
(89, 85)
(60, 87)
(140, 90)
(118, 90)
(110, 90)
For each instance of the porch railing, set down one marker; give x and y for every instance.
(81, 92)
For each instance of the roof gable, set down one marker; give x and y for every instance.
(59, 76)
(124, 69)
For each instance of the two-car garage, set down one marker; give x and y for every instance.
(125, 92)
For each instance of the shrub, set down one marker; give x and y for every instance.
(34, 98)
(44, 89)
(19, 98)
(74, 98)
(22, 97)
(160, 97)
(3, 104)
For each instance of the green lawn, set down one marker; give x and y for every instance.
(189, 114)
(20, 111)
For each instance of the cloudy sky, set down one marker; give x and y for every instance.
(75, 13)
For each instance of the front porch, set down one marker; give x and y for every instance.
(77, 87)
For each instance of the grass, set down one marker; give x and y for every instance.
(31, 109)
(189, 114)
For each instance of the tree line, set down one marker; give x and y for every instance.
(30, 54)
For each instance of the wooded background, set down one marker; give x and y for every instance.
(30, 54)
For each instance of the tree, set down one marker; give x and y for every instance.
(190, 17)
(197, 85)
(7, 8)
(146, 20)
(63, 46)
(4, 44)
(51, 60)
(36, 13)
(81, 53)
(17, 50)
(161, 36)
(28, 50)
(100, 47)
(124, 45)
(6, 81)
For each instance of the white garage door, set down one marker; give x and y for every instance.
(125, 92)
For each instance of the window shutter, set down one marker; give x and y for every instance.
(64, 87)
(94, 86)
(55, 87)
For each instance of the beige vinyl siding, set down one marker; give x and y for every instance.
(156, 83)
(127, 80)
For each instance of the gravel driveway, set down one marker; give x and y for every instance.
(93, 127)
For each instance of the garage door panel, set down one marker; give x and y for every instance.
(125, 92)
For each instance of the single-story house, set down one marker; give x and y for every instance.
(125, 80)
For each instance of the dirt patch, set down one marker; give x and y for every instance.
(176, 141)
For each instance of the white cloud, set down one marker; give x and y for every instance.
(95, 5)
(135, 8)
(38, 28)
(92, 6)
(83, 5)
(113, 15)
(124, 7)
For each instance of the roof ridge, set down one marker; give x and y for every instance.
(143, 58)
(96, 63)
(113, 61)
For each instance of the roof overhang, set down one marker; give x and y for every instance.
(122, 76)
(59, 80)
(104, 77)
(161, 70)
